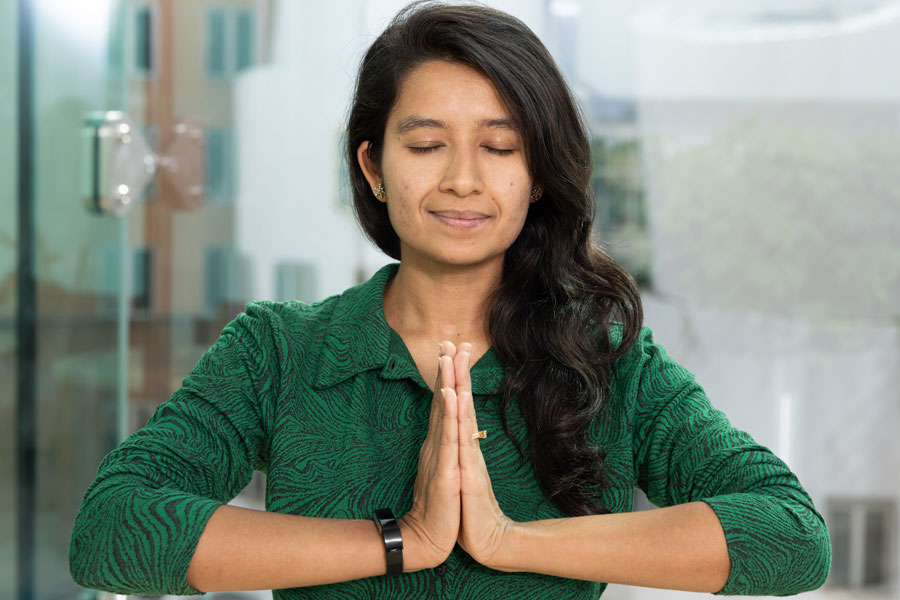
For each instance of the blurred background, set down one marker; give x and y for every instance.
(162, 163)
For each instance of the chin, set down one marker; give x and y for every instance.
(470, 260)
(452, 255)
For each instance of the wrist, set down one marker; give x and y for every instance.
(416, 556)
(504, 559)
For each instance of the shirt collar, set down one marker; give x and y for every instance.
(358, 338)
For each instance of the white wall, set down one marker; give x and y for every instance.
(722, 51)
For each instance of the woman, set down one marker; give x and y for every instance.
(471, 167)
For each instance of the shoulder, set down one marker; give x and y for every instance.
(643, 349)
(630, 357)
(314, 337)
(288, 319)
(266, 337)
(646, 362)
(304, 322)
(266, 326)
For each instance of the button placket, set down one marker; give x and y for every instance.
(439, 581)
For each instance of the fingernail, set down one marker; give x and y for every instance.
(440, 349)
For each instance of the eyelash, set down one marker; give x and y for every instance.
(427, 149)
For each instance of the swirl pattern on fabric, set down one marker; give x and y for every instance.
(326, 400)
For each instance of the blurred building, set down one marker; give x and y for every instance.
(744, 170)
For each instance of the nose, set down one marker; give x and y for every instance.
(463, 173)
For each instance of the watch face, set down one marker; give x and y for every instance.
(384, 515)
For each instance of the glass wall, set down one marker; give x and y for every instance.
(744, 171)
(74, 374)
(766, 130)
(8, 237)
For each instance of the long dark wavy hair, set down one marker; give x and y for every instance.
(550, 318)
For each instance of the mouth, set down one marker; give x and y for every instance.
(460, 219)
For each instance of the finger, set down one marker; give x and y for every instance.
(448, 348)
(468, 423)
(471, 464)
(448, 454)
(462, 367)
(445, 377)
(438, 410)
(448, 377)
(436, 401)
(445, 348)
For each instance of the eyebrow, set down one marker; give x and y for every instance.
(416, 122)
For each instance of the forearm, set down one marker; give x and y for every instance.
(680, 547)
(243, 549)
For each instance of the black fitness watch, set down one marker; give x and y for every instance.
(393, 542)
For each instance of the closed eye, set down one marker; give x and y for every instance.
(491, 149)
(422, 149)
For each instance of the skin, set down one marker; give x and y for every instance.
(457, 192)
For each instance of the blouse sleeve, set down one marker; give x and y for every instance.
(686, 451)
(142, 516)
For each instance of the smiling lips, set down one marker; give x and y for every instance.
(460, 219)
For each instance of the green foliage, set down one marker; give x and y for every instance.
(618, 187)
(783, 218)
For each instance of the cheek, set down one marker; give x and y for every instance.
(517, 218)
(399, 215)
(396, 214)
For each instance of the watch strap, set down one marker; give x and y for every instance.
(393, 541)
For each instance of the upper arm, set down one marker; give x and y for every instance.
(143, 514)
(685, 450)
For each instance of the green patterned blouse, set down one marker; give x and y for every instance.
(326, 400)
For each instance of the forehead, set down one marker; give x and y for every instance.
(447, 91)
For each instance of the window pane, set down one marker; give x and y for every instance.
(245, 39)
(876, 547)
(8, 273)
(215, 277)
(141, 290)
(215, 43)
(218, 165)
(143, 39)
(839, 527)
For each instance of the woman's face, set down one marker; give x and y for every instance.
(453, 168)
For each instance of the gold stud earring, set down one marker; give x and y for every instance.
(379, 192)
(536, 193)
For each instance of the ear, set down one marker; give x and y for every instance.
(368, 167)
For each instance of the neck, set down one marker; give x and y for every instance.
(442, 303)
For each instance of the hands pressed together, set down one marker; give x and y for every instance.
(453, 501)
